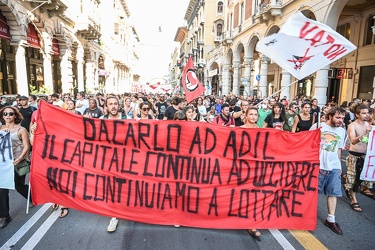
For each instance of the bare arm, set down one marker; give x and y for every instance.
(294, 126)
(22, 133)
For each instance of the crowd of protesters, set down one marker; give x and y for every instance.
(295, 115)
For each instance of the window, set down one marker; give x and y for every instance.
(242, 13)
(219, 29)
(220, 7)
(344, 30)
(369, 36)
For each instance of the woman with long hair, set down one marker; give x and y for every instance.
(277, 117)
(10, 119)
(304, 120)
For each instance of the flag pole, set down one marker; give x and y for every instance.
(278, 91)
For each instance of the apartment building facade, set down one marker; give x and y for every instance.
(234, 66)
(65, 46)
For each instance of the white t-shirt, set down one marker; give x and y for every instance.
(332, 138)
(202, 110)
(85, 105)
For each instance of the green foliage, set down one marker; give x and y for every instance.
(41, 90)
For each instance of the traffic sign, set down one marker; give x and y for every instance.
(257, 77)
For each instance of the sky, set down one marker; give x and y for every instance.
(156, 47)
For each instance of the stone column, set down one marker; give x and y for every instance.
(247, 76)
(80, 63)
(226, 78)
(47, 72)
(321, 85)
(236, 76)
(285, 81)
(21, 72)
(47, 63)
(66, 72)
(263, 84)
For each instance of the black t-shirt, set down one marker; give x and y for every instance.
(237, 120)
(315, 110)
(270, 123)
(169, 112)
(162, 106)
(96, 113)
(26, 113)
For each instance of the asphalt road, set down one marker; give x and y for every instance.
(42, 229)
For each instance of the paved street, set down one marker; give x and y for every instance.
(42, 229)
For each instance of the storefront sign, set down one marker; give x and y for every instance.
(32, 37)
(4, 28)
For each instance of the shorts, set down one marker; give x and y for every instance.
(330, 182)
(351, 161)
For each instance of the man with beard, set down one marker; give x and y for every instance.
(332, 142)
(26, 110)
(112, 106)
(358, 132)
(161, 107)
(224, 118)
(93, 111)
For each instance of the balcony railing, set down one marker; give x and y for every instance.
(87, 27)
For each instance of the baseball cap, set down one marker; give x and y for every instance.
(23, 97)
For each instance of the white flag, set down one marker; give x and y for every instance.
(6, 161)
(304, 46)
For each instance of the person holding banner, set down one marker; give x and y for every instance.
(112, 105)
(10, 119)
(276, 118)
(332, 142)
(224, 118)
(304, 121)
(358, 132)
(250, 121)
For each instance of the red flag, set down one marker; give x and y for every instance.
(155, 85)
(190, 82)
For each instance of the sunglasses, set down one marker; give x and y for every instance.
(8, 113)
(145, 109)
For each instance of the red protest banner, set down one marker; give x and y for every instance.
(176, 172)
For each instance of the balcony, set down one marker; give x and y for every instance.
(218, 39)
(53, 7)
(227, 37)
(86, 27)
(269, 12)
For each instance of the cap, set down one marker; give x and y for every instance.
(22, 97)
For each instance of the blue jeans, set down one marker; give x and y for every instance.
(330, 182)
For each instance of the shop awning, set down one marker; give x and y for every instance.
(32, 37)
(4, 28)
(55, 47)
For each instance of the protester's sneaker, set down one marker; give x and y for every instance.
(335, 227)
(112, 225)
